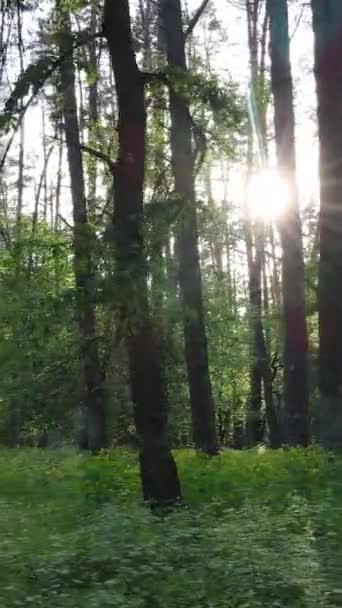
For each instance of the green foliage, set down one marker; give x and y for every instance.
(30, 81)
(35, 76)
(101, 478)
(39, 348)
(220, 106)
(260, 530)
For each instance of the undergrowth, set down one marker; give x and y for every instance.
(259, 529)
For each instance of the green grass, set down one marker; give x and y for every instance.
(260, 529)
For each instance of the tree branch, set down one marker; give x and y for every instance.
(50, 71)
(100, 156)
(196, 17)
(66, 222)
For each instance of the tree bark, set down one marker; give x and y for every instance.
(196, 352)
(295, 328)
(158, 469)
(82, 243)
(327, 25)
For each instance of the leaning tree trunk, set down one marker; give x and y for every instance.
(327, 25)
(196, 353)
(295, 328)
(158, 469)
(93, 376)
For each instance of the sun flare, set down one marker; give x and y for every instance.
(267, 195)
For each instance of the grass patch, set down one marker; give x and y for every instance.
(260, 529)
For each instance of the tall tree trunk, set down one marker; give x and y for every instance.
(255, 423)
(196, 352)
(83, 240)
(227, 237)
(93, 115)
(158, 469)
(327, 25)
(260, 372)
(295, 329)
(19, 210)
(254, 244)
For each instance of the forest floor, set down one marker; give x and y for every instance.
(260, 529)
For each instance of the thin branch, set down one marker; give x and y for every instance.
(299, 19)
(65, 222)
(41, 180)
(100, 156)
(196, 17)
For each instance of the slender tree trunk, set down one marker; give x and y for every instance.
(196, 353)
(51, 207)
(21, 168)
(327, 25)
(227, 238)
(229, 266)
(266, 303)
(93, 115)
(158, 469)
(277, 299)
(83, 239)
(41, 182)
(217, 236)
(255, 420)
(261, 374)
(295, 329)
(45, 185)
(263, 84)
(59, 183)
(20, 175)
(7, 11)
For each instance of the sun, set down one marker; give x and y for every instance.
(268, 195)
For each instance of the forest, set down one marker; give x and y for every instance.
(171, 298)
